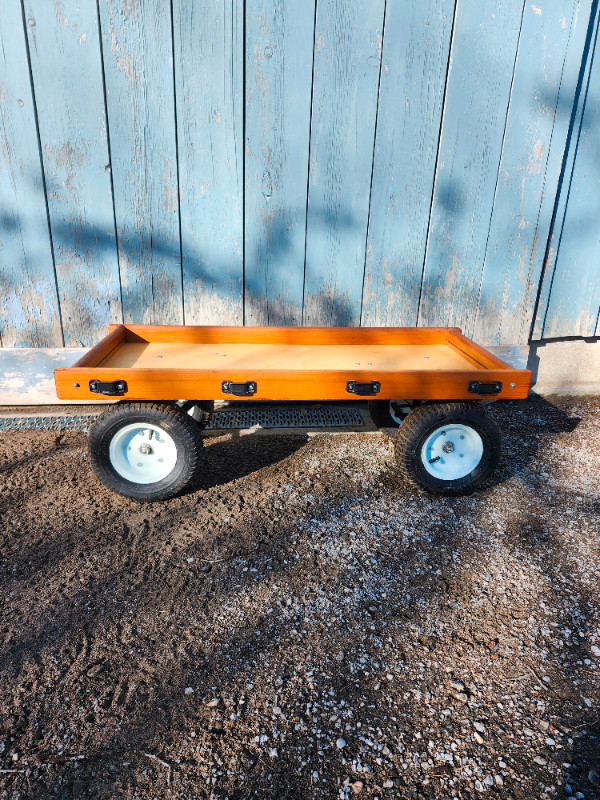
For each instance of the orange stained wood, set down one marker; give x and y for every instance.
(180, 362)
(280, 357)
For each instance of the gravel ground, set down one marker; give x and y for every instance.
(304, 625)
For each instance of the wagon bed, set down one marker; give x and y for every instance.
(144, 362)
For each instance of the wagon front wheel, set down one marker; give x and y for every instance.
(448, 448)
(146, 451)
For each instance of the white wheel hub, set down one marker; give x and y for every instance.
(142, 453)
(452, 451)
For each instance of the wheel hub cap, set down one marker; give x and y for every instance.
(142, 453)
(452, 452)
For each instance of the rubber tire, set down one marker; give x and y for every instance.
(206, 408)
(380, 414)
(421, 422)
(177, 423)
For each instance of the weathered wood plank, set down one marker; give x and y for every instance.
(29, 315)
(138, 69)
(279, 58)
(570, 293)
(545, 81)
(413, 75)
(67, 73)
(574, 300)
(479, 80)
(209, 64)
(348, 42)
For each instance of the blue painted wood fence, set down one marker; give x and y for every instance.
(304, 162)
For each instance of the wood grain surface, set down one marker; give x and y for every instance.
(413, 78)
(277, 162)
(478, 89)
(570, 294)
(279, 63)
(138, 70)
(209, 84)
(66, 65)
(29, 312)
(537, 126)
(348, 41)
(289, 363)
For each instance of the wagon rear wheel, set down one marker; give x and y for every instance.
(146, 451)
(448, 448)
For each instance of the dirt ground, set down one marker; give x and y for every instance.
(304, 625)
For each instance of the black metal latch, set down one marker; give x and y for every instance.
(240, 389)
(477, 387)
(108, 387)
(372, 387)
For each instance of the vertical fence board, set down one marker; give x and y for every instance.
(574, 297)
(415, 59)
(138, 69)
(209, 92)
(29, 314)
(279, 58)
(67, 74)
(348, 43)
(477, 94)
(552, 40)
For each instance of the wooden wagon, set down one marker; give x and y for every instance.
(432, 383)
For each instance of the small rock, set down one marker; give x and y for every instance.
(95, 670)
(340, 743)
(458, 685)
(541, 761)
(478, 738)
(190, 560)
(489, 781)
(357, 786)
(188, 690)
(594, 777)
(550, 741)
(479, 786)
(388, 784)
(479, 727)
(15, 757)
(587, 701)
(212, 704)
(596, 650)
(499, 780)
